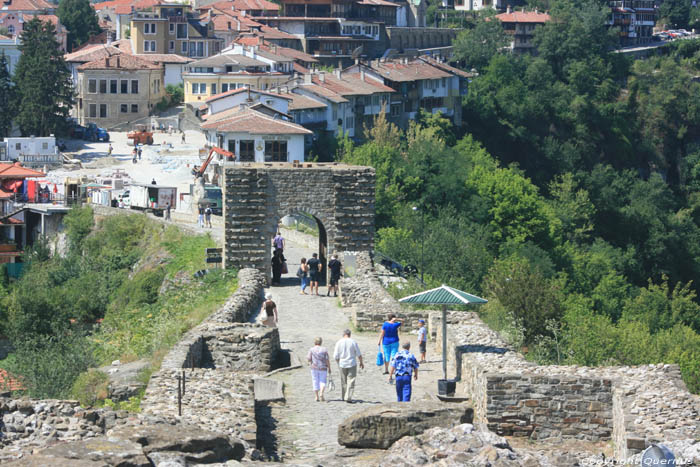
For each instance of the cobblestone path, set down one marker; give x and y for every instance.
(307, 429)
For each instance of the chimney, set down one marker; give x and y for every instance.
(362, 75)
(337, 73)
(307, 78)
(107, 62)
(117, 61)
(322, 76)
(509, 9)
(357, 61)
(535, 10)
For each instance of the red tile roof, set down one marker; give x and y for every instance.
(253, 122)
(17, 171)
(164, 58)
(291, 53)
(216, 97)
(524, 17)
(9, 382)
(324, 92)
(411, 71)
(301, 102)
(92, 53)
(254, 5)
(27, 5)
(448, 68)
(124, 45)
(120, 62)
(248, 40)
(351, 84)
(377, 3)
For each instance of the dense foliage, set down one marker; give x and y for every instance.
(80, 19)
(59, 330)
(571, 203)
(44, 89)
(7, 97)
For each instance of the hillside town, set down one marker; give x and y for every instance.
(499, 196)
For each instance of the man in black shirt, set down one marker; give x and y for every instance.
(335, 268)
(314, 272)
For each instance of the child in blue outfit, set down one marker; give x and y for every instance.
(404, 364)
(389, 340)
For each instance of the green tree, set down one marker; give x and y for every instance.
(80, 19)
(476, 46)
(43, 80)
(7, 98)
(675, 12)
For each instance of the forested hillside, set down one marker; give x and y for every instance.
(123, 290)
(570, 197)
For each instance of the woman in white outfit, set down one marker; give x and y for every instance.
(320, 367)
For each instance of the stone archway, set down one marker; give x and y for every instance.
(256, 196)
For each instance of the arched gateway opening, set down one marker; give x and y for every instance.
(256, 196)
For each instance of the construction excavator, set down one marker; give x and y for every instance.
(198, 171)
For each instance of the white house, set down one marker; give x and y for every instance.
(256, 136)
(31, 152)
(236, 97)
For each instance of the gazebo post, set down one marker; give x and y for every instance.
(444, 342)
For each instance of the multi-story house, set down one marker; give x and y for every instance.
(171, 28)
(118, 89)
(236, 68)
(520, 26)
(635, 19)
(14, 23)
(245, 7)
(420, 84)
(9, 46)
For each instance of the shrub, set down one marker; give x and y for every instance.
(90, 387)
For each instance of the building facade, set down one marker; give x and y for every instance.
(118, 89)
(520, 27)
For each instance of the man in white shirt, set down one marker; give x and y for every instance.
(346, 354)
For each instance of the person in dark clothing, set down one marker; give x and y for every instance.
(139, 153)
(335, 267)
(315, 267)
(153, 182)
(277, 264)
(167, 212)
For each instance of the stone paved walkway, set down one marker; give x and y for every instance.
(307, 429)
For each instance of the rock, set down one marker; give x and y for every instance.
(39, 460)
(125, 379)
(380, 427)
(93, 452)
(196, 444)
(168, 459)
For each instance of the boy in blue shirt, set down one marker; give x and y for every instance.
(404, 364)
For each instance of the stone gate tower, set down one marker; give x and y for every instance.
(256, 196)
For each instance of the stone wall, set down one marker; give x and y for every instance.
(632, 406)
(219, 359)
(257, 196)
(368, 302)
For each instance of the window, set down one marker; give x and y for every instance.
(92, 86)
(224, 87)
(124, 108)
(44, 145)
(200, 49)
(375, 100)
(395, 110)
(195, 88)
(275, 151)
(124, 86)
(350, 122)
(134, 86)
(183, 49)
(11, 29)
(103, 86)
(247, 150)
(92, 110)
(444, 82)
(193, 49)
(103, 110)
(134, 108)
(172, 28)
(18, 146)
(202, 88)
(213, 88)
(149, 46)
(335, 112)
(112, 86)
(181, 31)
(149, 28)
(216, 47)
(232, 145)
(171, 46)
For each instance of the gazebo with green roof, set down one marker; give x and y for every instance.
(443, 295)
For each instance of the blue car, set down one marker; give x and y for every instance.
(95, 133)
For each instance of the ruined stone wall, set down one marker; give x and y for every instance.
(256, 197)
(219, 358)
(368, 302)
(633, 406)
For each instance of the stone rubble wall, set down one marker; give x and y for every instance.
(367, 301)
(632, 406)
(220, 357)
(256, 197)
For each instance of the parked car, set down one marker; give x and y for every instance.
(76, 131)
(95, 133)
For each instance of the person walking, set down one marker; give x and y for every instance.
(134, 155)
(183, 138)
(278, 242)
(303, 274)
(139, 153)
(278, 260)
(315, 267)
(403, 364)
(109, 150)
(320, 368)
(207, 216)
(200, 216)
(335, 267)
(422, 339)
(347, 354)
(270, 309)
(389, 340)
(167, 212)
